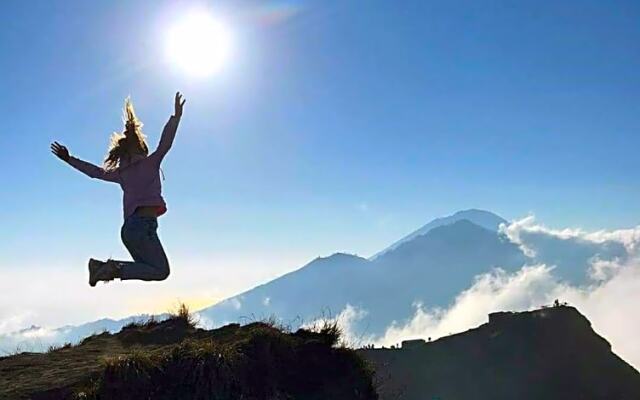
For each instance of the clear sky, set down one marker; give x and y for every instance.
(332, 126)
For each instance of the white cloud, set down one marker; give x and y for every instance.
(517, 230)
(530, 287)
(346, 320)
(602, 270)
(30, 339)
(12, 323)
(204, 322)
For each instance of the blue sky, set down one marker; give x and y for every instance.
(334, 126)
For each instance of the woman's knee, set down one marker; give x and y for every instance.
(163, 272)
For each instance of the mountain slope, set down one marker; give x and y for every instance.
(435, 267)
(431, 268)
(552, 353)
(324, 284)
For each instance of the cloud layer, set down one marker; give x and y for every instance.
(608, 298)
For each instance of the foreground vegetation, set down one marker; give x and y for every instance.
(172, 359)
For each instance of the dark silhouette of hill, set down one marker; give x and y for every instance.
(172, 360)
(551, 353)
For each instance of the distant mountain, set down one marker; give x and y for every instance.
(551, 353)
(36, 338)
(485, 219)
(323, 284)
(430, 268)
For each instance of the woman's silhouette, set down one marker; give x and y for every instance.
(129, 164)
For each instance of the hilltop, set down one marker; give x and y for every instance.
(174, 360)
(550, 353)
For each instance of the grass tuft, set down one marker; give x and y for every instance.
(183, 314)
(54, 348)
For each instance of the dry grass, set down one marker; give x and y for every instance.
(62, 347)
(171, 359)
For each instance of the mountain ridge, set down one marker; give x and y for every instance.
(483, 218)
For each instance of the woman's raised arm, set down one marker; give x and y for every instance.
(86, 168)
(170, 129)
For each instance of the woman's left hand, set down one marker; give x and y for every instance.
(179, 105)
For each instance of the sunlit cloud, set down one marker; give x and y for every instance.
(276, 12)
(515, 231)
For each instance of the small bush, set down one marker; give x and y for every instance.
(53, 348)
(183, 314)
(144, 323)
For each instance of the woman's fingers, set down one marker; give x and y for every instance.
(59, 150)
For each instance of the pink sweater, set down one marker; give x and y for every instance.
(139, 178)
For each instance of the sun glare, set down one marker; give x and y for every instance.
(198, 44)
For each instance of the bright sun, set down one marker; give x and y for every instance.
(199, 44)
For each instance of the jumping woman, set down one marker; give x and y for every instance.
(129, 164)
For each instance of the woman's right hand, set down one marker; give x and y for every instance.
(60, 151)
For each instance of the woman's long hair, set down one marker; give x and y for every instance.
(120, 142)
